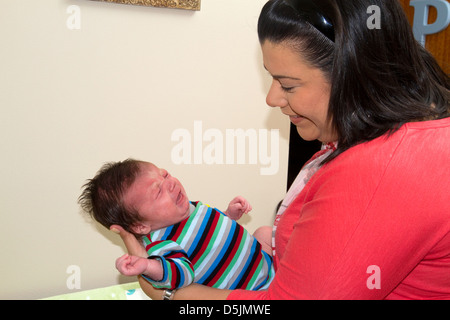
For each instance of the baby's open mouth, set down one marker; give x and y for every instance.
(179, 198)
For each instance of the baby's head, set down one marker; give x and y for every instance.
(136, 195)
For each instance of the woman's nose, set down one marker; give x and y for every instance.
(275, 96)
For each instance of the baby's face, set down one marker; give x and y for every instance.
(159, 198)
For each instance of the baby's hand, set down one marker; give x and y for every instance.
(131, 265)
(237, 207)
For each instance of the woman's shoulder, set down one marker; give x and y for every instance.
(417, 151)
(426, 125)
(410, 167)
(414, 141)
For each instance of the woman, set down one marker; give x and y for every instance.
(368, 217)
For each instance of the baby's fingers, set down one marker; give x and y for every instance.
(121, 261)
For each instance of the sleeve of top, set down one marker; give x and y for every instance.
(360, 232)
(178, 270)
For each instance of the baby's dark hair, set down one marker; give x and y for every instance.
(102, 196)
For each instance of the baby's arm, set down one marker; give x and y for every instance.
(237, 207)
(157, 270)
(178, 270)
(134, 266)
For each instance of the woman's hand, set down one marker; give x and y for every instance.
(134, 247)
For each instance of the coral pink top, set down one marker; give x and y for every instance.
(374, 223)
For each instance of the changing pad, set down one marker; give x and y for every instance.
(126, 291)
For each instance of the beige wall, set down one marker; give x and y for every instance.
(131, 82)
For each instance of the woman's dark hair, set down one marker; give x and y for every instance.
(102, 196)
(380, 78)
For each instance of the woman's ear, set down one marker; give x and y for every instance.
(141, 228)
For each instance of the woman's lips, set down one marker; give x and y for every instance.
(296, 119)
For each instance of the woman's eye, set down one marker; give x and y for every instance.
(287, 89)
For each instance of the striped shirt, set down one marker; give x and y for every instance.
(211, 249)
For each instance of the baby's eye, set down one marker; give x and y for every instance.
(157, 191)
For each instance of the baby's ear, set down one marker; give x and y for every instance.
(141, 228)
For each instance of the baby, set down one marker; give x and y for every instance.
(185, 241)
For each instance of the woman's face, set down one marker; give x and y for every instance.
(300, 91)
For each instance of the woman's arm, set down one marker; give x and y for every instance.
(134, 247)
(192, 292)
